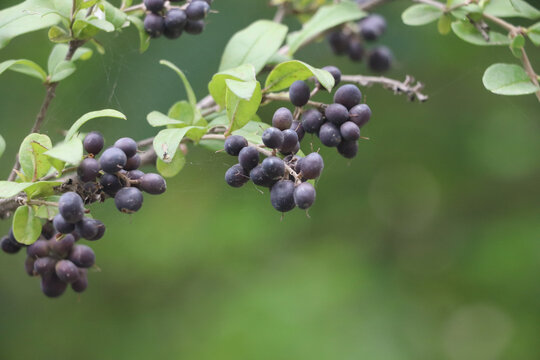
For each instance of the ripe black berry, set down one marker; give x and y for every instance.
(348, 95)
(52, 286)
(336, 73)
(290, 140)
(88, 170)
(282, 118)
(111, 184)
(235, 143)
(128, 200)
(38, 249)
(154, 5)
(336, 114)
(350, 131)
(236, 176)
(134, 175)
(348, 149)
(153, 184)
(258, 176)
(175, 20)
(127, 145)
(81, 283)
(339, 42)
(113, 160)
(93, 143)
(272, 138)
(297, 126)
(62, 226)
(360, 114)
(197, 10)
(356, 50)
(311, 166)
(71, 207)
(299, 94)
(82, 256)
(304, 195)
(330, 135)
(372, 27)
(133, 163)
(380, 59)
(90, 228)
(154, 25)
(44, 265)
(282, 195)
(273, 167)
(312, 121)
(62, 247)
(9, 246)
(194, 27)
(67, 271)
(29, 266)
(248, 158)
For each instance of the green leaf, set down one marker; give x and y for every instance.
(167, 141)
(69, 151)
(115, 16)
(182, 110)
(26, 226)
(189, 90)
(253, 45)
(9, 188)
(26, 67)
(155, 119)
(288, 72)
(41, 189)
(48, 212)
(421, 14)
(518, 42)
(534, 34)
(34, 164)
(252, 131)
(508, 79)
(326, 18)
(2, 145)
(144, 42)
(93, 115)
(172, 168)
(59, 68)
(218, 87)
(444, 25)
(467, 32)
(512, 8)
(89, 27)
(58, 35)
(243, 100)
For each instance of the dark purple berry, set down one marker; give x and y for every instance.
(93, 143)
(45, 265)
(90, 228)
(259, 178)
(134, 175)
(194, 27)
(348, 95)
(153, 184)
(282, 195)
(154, 25)
(297, 126)
(111, 184)
(360, 114)
(350, 131)
(82, 256)
(282, 118)
(380, 59)
(38, 249)
(272, 138)
(29, 266)
(348, 149)
(372, 27)
(290, 140)
(356, 50)
(197, 10)
(88, 170)
(299, 94)
(175, 21)
(248, 158)
(52, 286)
(312, 121)
(67, 271)
(336, 73)
(9, 246)
(71, 207)
(336, 114)
(113, 160)
(127, 145)
(154, 6)
(235, 143)
(62, 226)
(329, 135)
(339, 42)
(81, 283)
(48, 230)
(304, 195)
(311, 166)
(236, 176)
(133, 163)
(128, 200)
(63, 246)
(273, 167)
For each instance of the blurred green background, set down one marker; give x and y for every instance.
(426, 246)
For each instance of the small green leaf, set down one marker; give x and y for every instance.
(518, 42)
(172, 168)
(182, 110)
(143, 35)
(467, 32)
(508, 79)
(59, 68)
(155, 119)
(26, 226)
(167, 141)
(70, 151)
(34, 164)
(93, 115)
(26, 67)
(253, 45)
(9, 188)
(444, 24)
(115, 16)
(41, 189)
(243, 101)
(62, 71)
(218, 87)
(252, 131)
(2, 145)
(48, 212)
(512, 8)
(326, 18)
(421, 14)
(89, 27)
(534, 34)
(58, 35)
(288, 72)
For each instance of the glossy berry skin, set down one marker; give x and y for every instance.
(81, 283)
(348, 149)
(304, 195)
(273, 167)
(259, 178)
(8, 246)
(90, 228)
(128, 200)
(299, 93)
(154, 25)
(113, 160)
(153, 184)
(282, 196)
(235, 143)
(290, 140)
(312, 121)
(300, 132)
(71, 207)
(82, 256)
(44, 265)
(52, 286)
(88, 170)
(350, 131)
(380, 59)
(356, 50)
(339, 42)
(38, 249)
(330, 135)
(348, 95)
(336, 73)
(62, 247)
(93, 143)
(272, 138)
(62, 226)
(372, 27)
(127, 145)
(248, 158)
(236, 176)
(175, 21)
(67, 271)
(311, 166)
(282, 119)
(336, 114)
(111, 184)
(133, 163)
(360, 114)
(194, 27)
(197, 10)
(154, 6)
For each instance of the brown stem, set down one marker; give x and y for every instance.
(409, 86)
(530, 71)
(280, 97)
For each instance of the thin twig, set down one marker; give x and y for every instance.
(409, 86)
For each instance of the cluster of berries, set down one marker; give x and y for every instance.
(351, 40)
(173, 21)
(57, 259)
